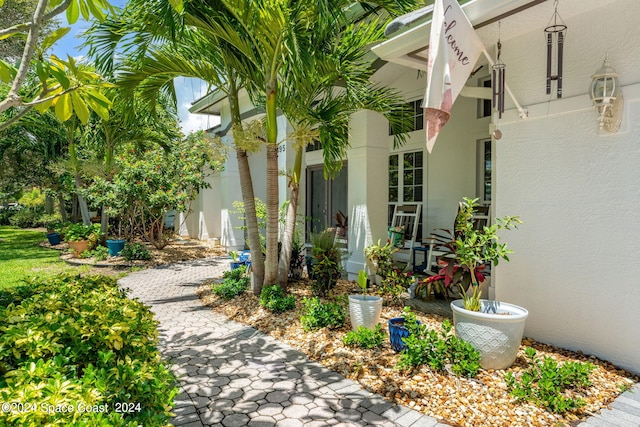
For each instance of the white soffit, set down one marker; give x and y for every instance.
(516, 17)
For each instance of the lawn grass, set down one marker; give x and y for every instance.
(21, 257)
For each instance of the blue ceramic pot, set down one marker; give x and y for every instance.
(115, 246)
(397, 331)
(54, 238)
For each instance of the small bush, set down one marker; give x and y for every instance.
(545, 381)
(364, 337)
(51, 222)
(79, 341)
(330, 314)
(25, 218)
(135, 251)
(235, 283)
(100, 253)
(273, 299)
(437, 349)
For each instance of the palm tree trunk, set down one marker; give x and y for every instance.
(290, 225)
(248, 196)
(271, 265)
(84, 209)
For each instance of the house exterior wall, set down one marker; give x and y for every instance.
(450, 171)
(576, 190)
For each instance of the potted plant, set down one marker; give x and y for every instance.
(398, 329)
(235, 260)
(493, 328)
(380, 259)
(364, 310)
(82, 237)
(115, 246)
(326, 262)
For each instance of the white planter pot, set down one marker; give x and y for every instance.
(495, 331)
(364, 312)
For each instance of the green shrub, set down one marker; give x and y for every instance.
(135, 251)
(79, 341)
(437, 349)
(318, 314)
(235, 283)
(51, 222)
(545, 381)
(364, 337)
(99, 253)
(25, 218)
(273, 299)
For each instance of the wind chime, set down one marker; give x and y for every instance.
(555, 34)
(497, 81)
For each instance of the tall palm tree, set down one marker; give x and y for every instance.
(159, 48)
(280, 38)
(324, 97)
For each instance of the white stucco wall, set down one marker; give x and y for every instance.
(577, 191)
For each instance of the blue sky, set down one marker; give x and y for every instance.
(187, 89)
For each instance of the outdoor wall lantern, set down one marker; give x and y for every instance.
(607, 97)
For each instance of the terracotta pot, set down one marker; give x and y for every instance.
(79, 247)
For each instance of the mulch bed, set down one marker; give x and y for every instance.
(482, 401)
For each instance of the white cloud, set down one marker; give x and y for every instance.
(188, 90)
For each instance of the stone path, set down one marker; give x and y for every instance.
(234, 375)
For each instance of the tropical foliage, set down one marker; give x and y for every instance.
(80, 341)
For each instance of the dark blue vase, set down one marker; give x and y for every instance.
(115, 246)
(397, 331)
(54, 238)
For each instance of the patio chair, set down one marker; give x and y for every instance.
(403, 231)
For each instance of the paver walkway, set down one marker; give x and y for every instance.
(234, 375)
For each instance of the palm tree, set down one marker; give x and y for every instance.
(163, 49)
(324, 97)
(280, 38)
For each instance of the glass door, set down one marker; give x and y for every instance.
(325, 198)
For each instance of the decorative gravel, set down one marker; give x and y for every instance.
(481, 401)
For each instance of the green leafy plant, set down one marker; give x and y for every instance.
(235, 283)
(362, 282)
(469, 249)
(100, 253)
(79, 231)
(135, 251)
(274, 299)
(440, 350)
(318, 314)
(73, 340)
(364, 337)
(235, 256)
(393, 285)
(327, 262)
(381, 257)
(545, 381)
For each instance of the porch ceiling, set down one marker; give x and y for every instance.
(517, 17)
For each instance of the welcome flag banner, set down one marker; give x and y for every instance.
(454, 48)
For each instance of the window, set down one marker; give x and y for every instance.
(418, 117)
(484, 170)
(406, 180)
(314, 146)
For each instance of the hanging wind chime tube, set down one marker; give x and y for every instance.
(555, 32)
(497, 83)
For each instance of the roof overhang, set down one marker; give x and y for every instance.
(409, 48)
(211, 103)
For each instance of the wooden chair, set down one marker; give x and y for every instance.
(404, 224)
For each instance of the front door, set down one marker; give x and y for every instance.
(325, 198)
